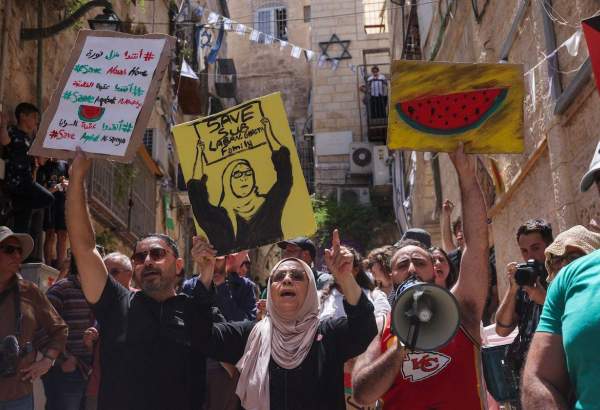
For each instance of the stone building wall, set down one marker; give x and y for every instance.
(19, 67)
(544, 180)
(263, 68)
(337, 101)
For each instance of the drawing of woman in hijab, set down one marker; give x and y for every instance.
(244, 218)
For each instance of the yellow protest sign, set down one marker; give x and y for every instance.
(244, 178)
(434, 106)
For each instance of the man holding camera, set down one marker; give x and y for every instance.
(523, 302)
(23, 310)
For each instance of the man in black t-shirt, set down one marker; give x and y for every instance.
(145, 352)
(27, 194)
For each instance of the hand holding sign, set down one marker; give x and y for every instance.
(80, 166)
(204, 257)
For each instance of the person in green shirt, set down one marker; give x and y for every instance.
(562, 359)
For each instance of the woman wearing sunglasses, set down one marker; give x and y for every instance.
(290, 359)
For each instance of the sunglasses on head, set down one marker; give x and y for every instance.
(296, 275)
(156, 254)
(10, 249)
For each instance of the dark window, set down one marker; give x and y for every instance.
(149, 139)
(307, 14)
(272, 21)
(281, 22)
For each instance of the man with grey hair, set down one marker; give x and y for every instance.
(119, 267)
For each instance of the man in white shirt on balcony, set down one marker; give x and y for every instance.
(378, 93)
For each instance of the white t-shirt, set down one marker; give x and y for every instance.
(378, 85)
(333, 306)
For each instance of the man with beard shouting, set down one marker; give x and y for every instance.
(449, 378)
(145, 352)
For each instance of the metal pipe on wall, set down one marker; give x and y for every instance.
(4, 47)
(40, 57)
(550, 42)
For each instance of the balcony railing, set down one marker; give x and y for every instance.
(126, 205)
(376, 106)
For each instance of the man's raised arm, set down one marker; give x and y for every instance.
(474, 276)
(91, 268)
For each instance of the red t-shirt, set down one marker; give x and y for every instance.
(444, 380)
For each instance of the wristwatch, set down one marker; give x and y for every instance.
(52, 359)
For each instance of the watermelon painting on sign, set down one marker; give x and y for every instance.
(435, 106)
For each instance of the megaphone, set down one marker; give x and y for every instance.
(425, 316)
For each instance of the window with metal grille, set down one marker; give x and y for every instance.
(272, 21)
(375, 16)
(149, 139)
(281, 23)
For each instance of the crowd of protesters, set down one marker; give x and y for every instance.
(127, 332)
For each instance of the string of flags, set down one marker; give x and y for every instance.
(215, 20)
(571, 45)
(321, 60)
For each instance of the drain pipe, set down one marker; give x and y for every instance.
(40, 58)
(4, 47)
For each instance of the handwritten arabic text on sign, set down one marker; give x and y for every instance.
(104, 94)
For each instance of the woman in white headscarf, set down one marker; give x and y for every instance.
(291, 360)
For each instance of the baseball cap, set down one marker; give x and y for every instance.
(25, 239)
(303, 243)
(418, 234)
(593, 171)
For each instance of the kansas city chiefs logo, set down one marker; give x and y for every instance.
(420, 366)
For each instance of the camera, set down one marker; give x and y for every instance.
(9, 356)
(10, 353)
(528, 272)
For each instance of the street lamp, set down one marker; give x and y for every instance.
(108, 20)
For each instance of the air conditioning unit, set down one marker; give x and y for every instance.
(157, 146)
(361, 158)
(382, 174)
(359, 195)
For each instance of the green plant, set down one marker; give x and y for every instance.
(107, 240)
(359, 224)
(124, 176)
(71, 7)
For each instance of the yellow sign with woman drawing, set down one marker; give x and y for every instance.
(243, 176)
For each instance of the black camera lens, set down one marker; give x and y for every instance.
(525, 276)
(527, 273)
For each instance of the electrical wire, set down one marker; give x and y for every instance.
(561, 20)
(414, 3)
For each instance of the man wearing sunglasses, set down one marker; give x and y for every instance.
(145, 354)
(23, 310)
